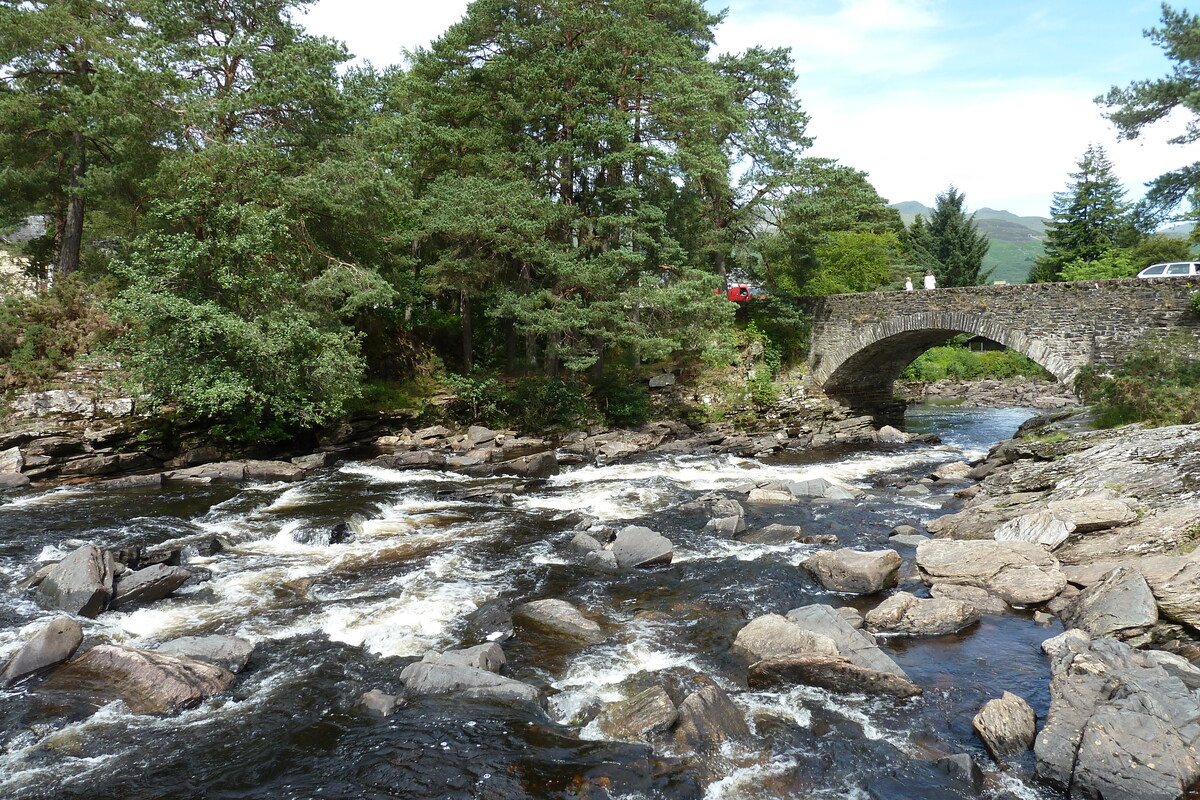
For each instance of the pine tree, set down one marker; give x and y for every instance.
(949, 244)
(1087, 219)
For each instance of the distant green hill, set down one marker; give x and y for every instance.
(1016, 241)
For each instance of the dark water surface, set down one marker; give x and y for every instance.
(333, 621)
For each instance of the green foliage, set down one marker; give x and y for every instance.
(1156, 249)
(854, 261)
(949, 243)
(1194, 303)
(1112, 263)
(1087, 220)
(784, 324)
(623, 401)
(540, 403)
(958, 363)
(1158, 384)
(43, 334)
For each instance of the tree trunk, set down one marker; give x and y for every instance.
(719, 263)
(510, 346)
(464, 310)
(72, 231)
(552, 355)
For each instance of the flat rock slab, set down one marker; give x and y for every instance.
(1007, 726)
(709, 717)
(558, 618)
(834, 673)
(1120, 605)
(774, 535)
(82, 583)
(981, 599)
(854, 571)
(636, 546)
(646, 713)
(907, 613)
(230, 652)
(147, 585)
(148, 682)
(1119, 726)
(52, 645)
(773, 635)
(424, 678)
(851, 643)
(770, 497)
(489, 657)
(1022, 573)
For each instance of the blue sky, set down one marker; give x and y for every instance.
(994, 98)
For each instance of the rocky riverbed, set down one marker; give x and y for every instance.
(822, 612)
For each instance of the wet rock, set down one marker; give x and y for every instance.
(229, 652)
(152, 481)
(813, 487)
(819, 538)
(1007, 726)
(583, 543)
(558, 618)
(854, 571)
(416, 459)
(540, 465)
(273, 471)
(889, 435)
(602, 561)
(636, 546)
(1120, 605)
(432, 432)
(716, 506)
(906, 530)
(770, 497)
(1022, 573)
(835, 673)
(488, 657)
(82, 583)
(52, 645)
(491, 622)
(222, 472)
(708, 717)
(726, 526)
(851, 643)
(148, 682)
(340, 533)
(646, 713)
(903, 540)
(914, 490)
(774, 635)
(425, 678)
(955, 470)
(313, 461)
(614, 451)
(981, 599)
(1056, 646)
(774, 535)
(852, 617)
(147, 585)
(11, 460)
(380, 704)
(13, 480)
(906, 613)
(963, 769)
(478, 435)
(1119, 725)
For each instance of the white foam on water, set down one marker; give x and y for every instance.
(1011, 784)
(855, 707)
(787, 704)
(746, 783)
(380, 474)
(59, 495)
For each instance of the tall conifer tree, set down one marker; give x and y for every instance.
(949, 244)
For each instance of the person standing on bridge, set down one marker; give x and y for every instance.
(908, 283)
(930, 281)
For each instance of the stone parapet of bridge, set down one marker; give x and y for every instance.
(861, 343)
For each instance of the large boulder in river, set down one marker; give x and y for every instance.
(52, 645)
(147, 682)
(772, 635)
(646, 713)
(558, 618)
(851, 643)
(489, 657)
(1120, 727)
(854, 571)
(1022, 573)
(82, 583)
(1120, 605)
(230, 652)
(430, 678)
(147, 585)
(1007, 726)
(709, 717)
(636, 546)
(540, 465)
(830, 672)
(907, 613)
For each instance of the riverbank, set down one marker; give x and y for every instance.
(991, 393)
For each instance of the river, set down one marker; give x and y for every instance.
(333, 621)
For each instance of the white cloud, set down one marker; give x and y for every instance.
(379, 32)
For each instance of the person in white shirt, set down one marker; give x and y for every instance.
(908, 284)
(930, 281)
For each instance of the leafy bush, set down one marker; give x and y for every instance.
(1158, 384)
(1195, 303)
(541, 403)
(623, 401)
(958, 363)
(478, 394)
(1113, 263)
(784, 324)
(42, 335)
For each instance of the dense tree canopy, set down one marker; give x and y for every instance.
(949, 243)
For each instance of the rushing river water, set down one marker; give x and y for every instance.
(333, 621)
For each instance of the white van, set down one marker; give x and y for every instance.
(1175, 269)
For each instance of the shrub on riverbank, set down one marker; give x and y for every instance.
(958, 363)
(1158, 384)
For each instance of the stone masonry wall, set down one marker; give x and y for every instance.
(861, 342)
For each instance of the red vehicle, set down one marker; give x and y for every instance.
(741, 292)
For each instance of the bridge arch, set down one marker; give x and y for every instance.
(861, 368)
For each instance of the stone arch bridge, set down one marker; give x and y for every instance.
(862, 342)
